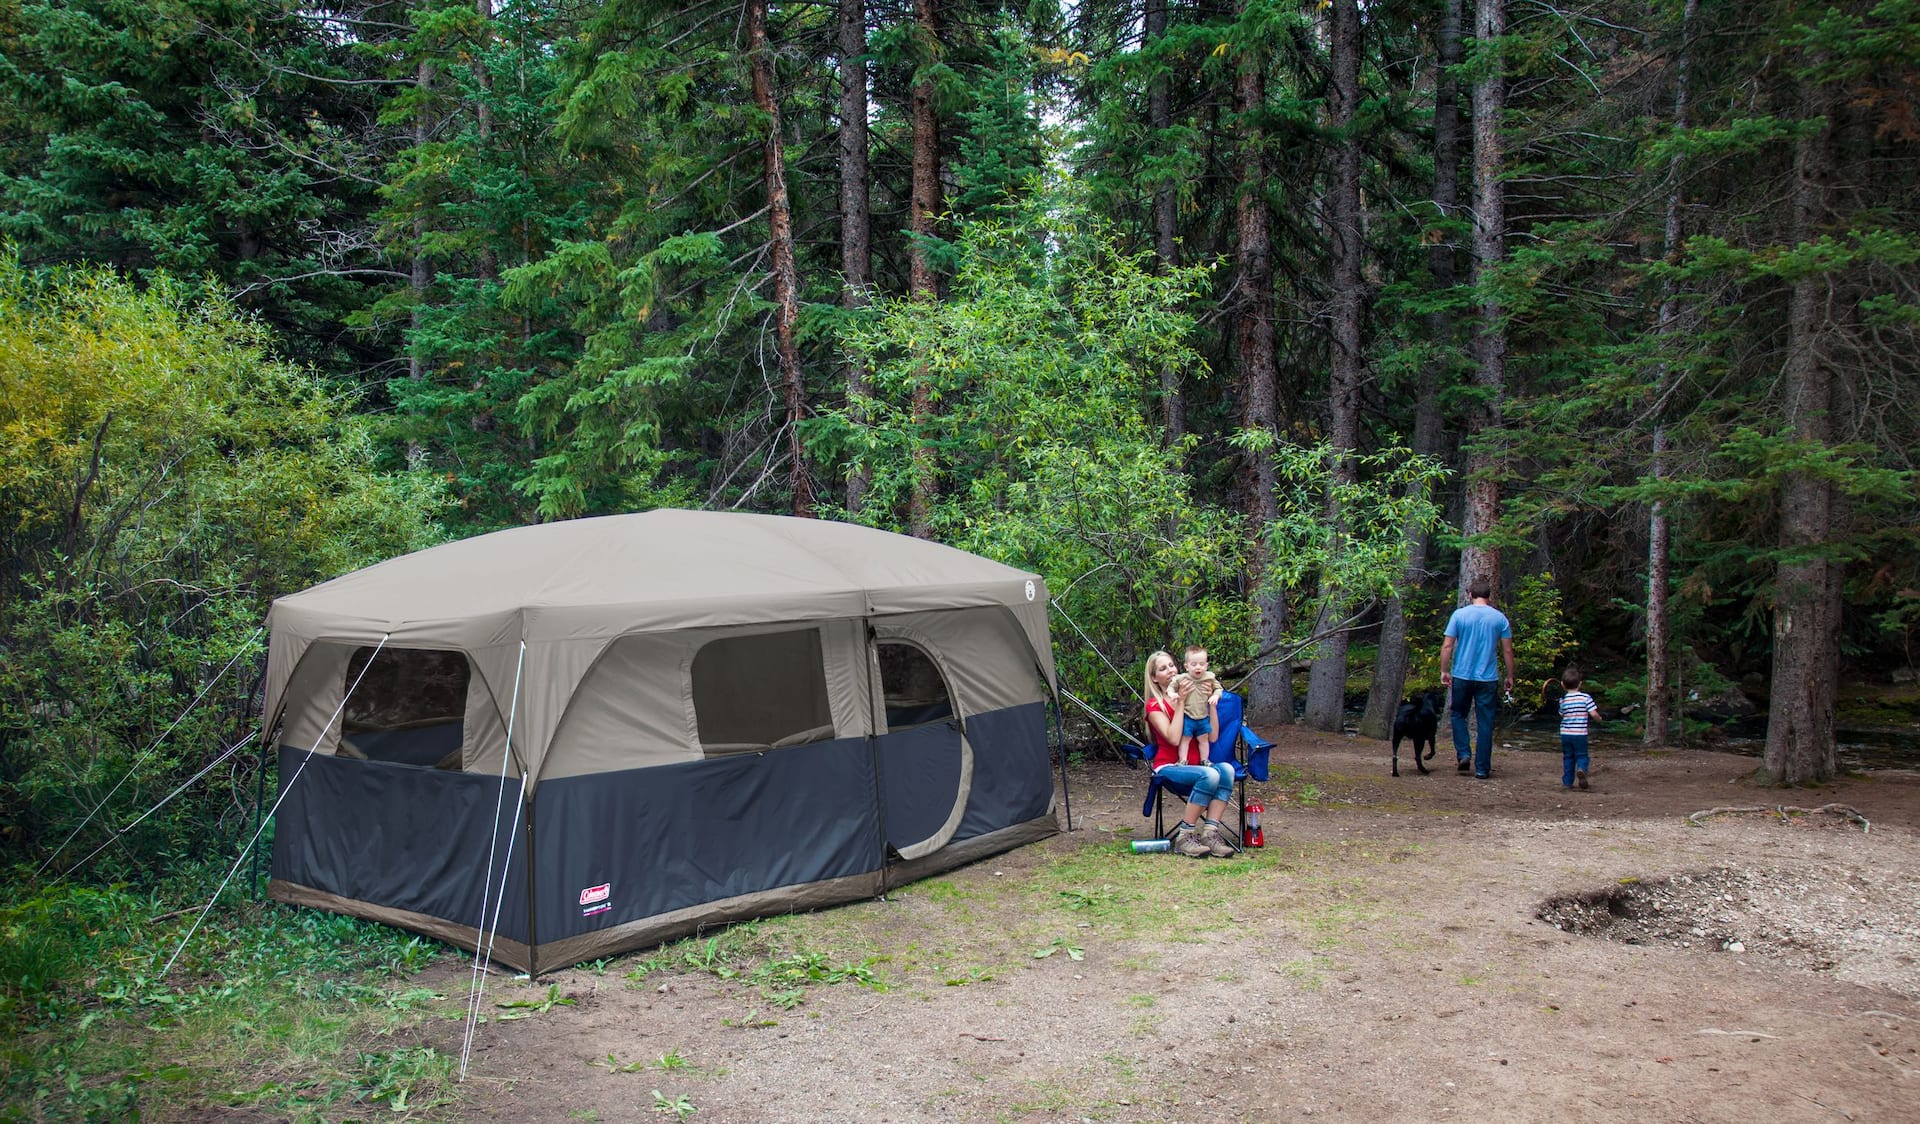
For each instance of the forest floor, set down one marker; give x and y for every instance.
(1411, 948)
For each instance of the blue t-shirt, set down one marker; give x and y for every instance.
(1477, 631)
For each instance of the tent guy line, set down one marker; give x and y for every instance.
(165, 800)
(148, 752)
(268, 818)
(483, 949)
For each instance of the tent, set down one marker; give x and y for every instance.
(651, 723)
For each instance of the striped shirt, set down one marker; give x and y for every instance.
(1575, 706)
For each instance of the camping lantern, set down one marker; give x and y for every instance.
(1255, 836)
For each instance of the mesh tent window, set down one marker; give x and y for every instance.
(915, 691)
(409, 707)
(760, 690)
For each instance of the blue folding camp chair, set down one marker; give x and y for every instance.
(1238, 745)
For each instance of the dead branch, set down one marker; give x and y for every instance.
(1785, 812)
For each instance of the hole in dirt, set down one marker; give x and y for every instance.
(1631, 912)
(1857, 924)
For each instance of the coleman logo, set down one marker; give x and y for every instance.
(598, 893)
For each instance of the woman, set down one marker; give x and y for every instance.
(1200, 833)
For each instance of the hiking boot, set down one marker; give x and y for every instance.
(1187, 841)
(1580, 777)
(1215, 837)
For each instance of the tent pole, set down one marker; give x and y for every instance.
(1060, 728)
(870, 658)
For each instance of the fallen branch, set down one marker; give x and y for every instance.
(1785, 812)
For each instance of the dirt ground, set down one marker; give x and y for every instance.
(1420, 948)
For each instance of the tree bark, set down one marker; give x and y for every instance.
(1327, 683)
(488, 265)
(1390, 668)
(1479, 559)
(786, 279)
(420, 271)
(1166, 201)
(1660, 695)
(923, 206)
(856, 234)
(1269, 688)
(1806, 615)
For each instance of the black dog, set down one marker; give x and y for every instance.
(1418, 718)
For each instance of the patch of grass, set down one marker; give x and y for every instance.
(525, 1008)
(679, 1106)
(268, 1006)
(771, 959)
(1306, 973)
(1044, 1096)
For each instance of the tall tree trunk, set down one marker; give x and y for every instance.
(1806, 614)
(1270, 688)
(488, 265)
(786, 279)
(1390, 668)
(420, 272)
(1327, 683)
(1477, 558)
(1166, 202)
(923, 206)
(856, 234)
(1660, 695)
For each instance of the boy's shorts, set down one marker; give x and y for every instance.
(1196, 727)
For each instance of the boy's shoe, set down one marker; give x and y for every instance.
(1463, 765)
(1187, 841)
(1580, 777)
(1215, 838)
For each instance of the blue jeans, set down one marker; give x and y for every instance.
(1209, 782)
(1573, 755)
(1483, 695)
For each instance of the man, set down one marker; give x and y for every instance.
(1468, 670)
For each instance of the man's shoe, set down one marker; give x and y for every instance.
(1580, 777)
(1482, 776)
(1215, 837)
(1463, 765)
(1187, 841)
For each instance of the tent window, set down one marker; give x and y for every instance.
(409, 707)
(915, 692)
(766, 689)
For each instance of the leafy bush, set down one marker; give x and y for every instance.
(1043, 357)
(163, 477)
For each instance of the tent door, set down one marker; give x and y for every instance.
(926, 765)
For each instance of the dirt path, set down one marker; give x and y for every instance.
(1384, 958)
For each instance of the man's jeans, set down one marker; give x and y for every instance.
(1483, 695)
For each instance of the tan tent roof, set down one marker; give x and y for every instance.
(559, 584)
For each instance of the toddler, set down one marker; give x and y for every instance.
(1196, 689)
(1576, 707)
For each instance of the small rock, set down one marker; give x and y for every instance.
(1736, 946)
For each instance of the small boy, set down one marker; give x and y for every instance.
(1195, 689)
(1576, 707)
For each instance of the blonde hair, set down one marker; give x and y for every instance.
(1153, 690)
